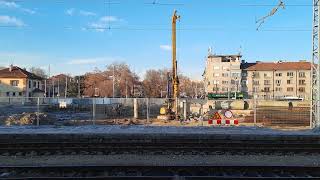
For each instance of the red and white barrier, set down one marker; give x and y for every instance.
(223, 122)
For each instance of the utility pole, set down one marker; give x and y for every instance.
(126, 89)
(49, 88)
(113, 80)
(66, 88)
(229, 84)
(52, 87)
(45, 88)
(79, 95)
(58, 87)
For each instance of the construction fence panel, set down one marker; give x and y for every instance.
(283, 114)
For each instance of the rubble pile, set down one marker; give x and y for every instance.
(28, 119)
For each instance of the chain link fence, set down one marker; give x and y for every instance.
(144, 111)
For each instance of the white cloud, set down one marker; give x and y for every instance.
(166, 47)
(9, 4)
(8, 20)
(102, 24)
(87, 13)
(70, 11)
(109, 19)
(13, 5)
(28, 11)
(82, 61)
(93, 61)
(73, 11)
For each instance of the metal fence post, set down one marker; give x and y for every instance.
(255, 110)
(147, 110)
(93, 111)
(135, 108)
(38, 111)
(185, 109)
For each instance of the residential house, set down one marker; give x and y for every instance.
(18, 82)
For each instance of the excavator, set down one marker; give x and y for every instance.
(170, 110)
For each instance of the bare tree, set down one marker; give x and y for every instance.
(38, 71)
(117, 75)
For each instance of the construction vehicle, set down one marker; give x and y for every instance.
(170, 109)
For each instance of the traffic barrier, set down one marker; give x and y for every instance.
(223, 122)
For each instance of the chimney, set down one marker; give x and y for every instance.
(10, 67)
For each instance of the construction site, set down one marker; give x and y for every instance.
(252, 121)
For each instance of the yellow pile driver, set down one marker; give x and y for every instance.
(170, 109)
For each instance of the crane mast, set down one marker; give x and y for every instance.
(170, 109)
(175, 78)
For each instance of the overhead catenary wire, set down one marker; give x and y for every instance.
(273, 12)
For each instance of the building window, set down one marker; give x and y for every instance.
(302, 74)
(266, 89)
(278, 89)
(302, 89)
(244, 82)
(225, 75)
(256, 83)
(302, 82)
(224, 89)
(216, 82)
(216, 74)
(255, 75)
(20, 93)
(255, 89)
(216, 67)
(290, 74)
(278, 82)
(267, 75)
(290, 89)
(8, 93)
(38, 85)
(235, 75)
(30, 84)
(289, 82)
(278, 74)
(34, 84)
(208, 83)
(266, 82)
(13, 94)
(225, 82)
(14, 82)
(224, 68)
(215, 89)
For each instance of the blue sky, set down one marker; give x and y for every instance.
(73, 36)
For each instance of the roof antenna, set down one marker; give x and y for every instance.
(240, 50)
(210, 51)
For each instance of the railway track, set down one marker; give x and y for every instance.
(158, 148)
(141, 172)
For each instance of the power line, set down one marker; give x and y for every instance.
(148, 28)
(159, 3)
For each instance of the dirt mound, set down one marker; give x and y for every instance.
(28, 119)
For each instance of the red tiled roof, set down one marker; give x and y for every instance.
(261, 66)
(17, 72)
